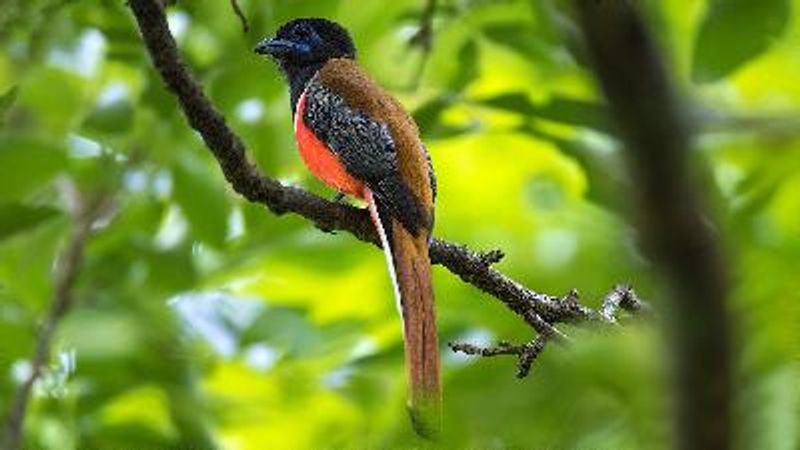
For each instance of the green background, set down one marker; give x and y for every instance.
(204, 321)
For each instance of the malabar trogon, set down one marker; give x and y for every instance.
(360, 141)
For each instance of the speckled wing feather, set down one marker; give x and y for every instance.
(374, 143)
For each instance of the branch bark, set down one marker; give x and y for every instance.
(620, 298)
(66, 273)
(240, 15)
(424, 35)
(525, 353)
(672, 222)
(423, 39)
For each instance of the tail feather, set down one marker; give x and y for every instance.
(410, 269)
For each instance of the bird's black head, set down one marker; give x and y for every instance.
(303, 46)
(307, 42)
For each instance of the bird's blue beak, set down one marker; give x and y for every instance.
(276, 47)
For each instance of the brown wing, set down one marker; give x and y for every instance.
(348, 80)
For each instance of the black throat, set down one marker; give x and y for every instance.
(298, 78)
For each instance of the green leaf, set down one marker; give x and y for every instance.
(428, 114)
(516, 102)
(520, 37)
(7, 100)
(53, 98)
(201, 196)
(116, 117)
(565, 110)
(171, 270)
(15, 218)
(156, 97)
(27, 262)
(230, 86)
(576, 112)
(28, 164)
(99, 334)
(467, 67)
(287, 329)
(734, 32)
(604, 171)
(428, 118)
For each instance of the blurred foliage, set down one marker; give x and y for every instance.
(204, 321)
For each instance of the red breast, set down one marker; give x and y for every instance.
(320, 159)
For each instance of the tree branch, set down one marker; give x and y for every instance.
(423, 38)
(66, 273)
(526, 353)
(620, 298)
(675, 230)
(538, 310)
(239, 14)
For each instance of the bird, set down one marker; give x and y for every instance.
(359, 140)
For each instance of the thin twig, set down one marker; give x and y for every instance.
(238, 11)
(423, 38)
(622, 297)
(619, 298)
(66, 273)
(526, 353)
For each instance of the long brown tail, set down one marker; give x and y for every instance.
(410, 269)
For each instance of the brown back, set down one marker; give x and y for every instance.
(346, 78)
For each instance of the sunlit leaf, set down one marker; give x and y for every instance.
(146, 406)
(55, 99)
(735, 31)
(34, 163)
(429, 113)
(607, 181)
(429, 119)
